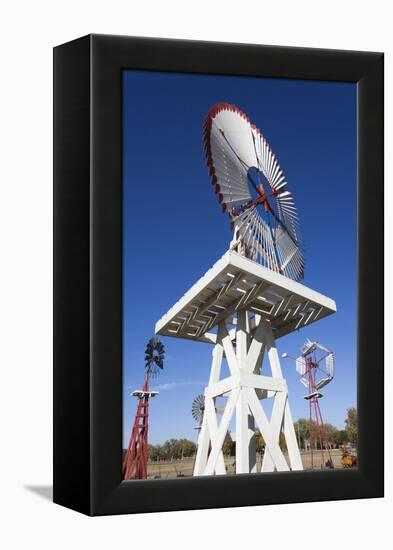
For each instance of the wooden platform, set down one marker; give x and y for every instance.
(235, 283)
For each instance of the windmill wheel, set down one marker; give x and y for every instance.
(252, 188)
(154, 356)
(198, 408)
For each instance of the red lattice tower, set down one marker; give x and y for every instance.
(135, 460)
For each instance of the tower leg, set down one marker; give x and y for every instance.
(317, 431)
(290, 437)
(204, 436)
(252, 445)
(202, 449)
(242, 436)
(135, 461)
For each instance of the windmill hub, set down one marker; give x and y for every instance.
(262, 193)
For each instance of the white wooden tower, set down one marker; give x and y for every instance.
(242, 308)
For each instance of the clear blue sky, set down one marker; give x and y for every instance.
(174, 229)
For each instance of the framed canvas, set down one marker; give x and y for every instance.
(150, 277)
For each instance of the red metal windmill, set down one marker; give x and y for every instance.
(316, 367)
(135, 460)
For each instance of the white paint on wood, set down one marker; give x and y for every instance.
(244, 389)
(217, 353)
(242, 435)
(235, 283)
(262, 422)
(252, 307)
(229, 352)
(219, 436)
(211, 421)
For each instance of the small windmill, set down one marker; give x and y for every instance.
(135, 460)
(316, 368)
(197, 410)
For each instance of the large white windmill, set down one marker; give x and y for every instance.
(247, 300)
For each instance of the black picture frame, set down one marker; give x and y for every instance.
(88, 274)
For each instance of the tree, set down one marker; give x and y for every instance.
(340, 438)
(302, 430)
(282, 442)
(172, 449)
(259, 441)
(184, 448)
(154, 452)
(351, 425)
(229, 446)
(168, 449)
(330, 432)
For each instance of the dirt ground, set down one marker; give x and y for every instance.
(184, 468)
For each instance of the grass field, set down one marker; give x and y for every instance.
(184, 468)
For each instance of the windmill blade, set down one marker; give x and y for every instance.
(323, 348)
(330, 364)
(304, 381)
(301, 365)
(309, 362)
(329, 360)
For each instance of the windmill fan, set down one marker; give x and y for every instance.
(322, 366)
(252, 188)
(154, 356)
(198, 408)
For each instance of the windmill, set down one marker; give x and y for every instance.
(247, 300)
(135, 460)
(198, 409)
(316, 368)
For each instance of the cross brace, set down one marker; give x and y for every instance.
(244, 389)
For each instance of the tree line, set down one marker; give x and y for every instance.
(172, 449)
(175, 449)
(334, 436)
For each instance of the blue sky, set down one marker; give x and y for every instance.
(174, 230)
